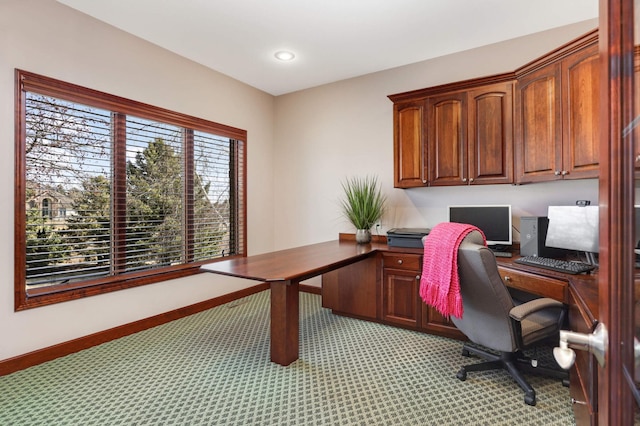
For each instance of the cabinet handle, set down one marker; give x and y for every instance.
(418, 277)
(399, 261)
(564, 173)
(507, 278)
(638, 159)
(424, 181)
(557, 173)
(470, 179)
(575, 401)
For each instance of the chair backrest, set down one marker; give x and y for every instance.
(485, 298)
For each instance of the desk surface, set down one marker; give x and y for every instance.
(297, 263)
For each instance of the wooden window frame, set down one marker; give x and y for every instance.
(31, 82)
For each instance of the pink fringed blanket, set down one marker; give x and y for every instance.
(439, 283)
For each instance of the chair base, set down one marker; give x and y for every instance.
(515, 364)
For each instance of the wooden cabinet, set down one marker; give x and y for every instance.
(410, 155)
(447, 138)
(400, 289)
(433, 322)
(353, 289)
(490, 137)
(538, 148)
(557, 107)
(485, 131)
(581, 110)
(470, 136)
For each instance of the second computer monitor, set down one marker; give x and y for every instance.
(573, 228)
(493, 220)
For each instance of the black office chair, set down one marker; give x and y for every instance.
(493, 320)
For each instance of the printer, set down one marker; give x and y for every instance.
(406, 237)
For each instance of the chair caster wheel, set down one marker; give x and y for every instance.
(465, 353)
(530, 400)
(462, 374)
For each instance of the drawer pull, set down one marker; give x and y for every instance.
(399, 261)
(507, 278)
(418, 277)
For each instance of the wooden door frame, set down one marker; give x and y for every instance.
(616, 199)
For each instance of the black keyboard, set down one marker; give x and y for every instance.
(555, 264)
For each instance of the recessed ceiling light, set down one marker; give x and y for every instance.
(284, 55)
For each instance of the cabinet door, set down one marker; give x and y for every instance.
(538, 136)
(400, 297)
(581, 103)
(410, 159)
(433, 322)
(447, 145)
(490, 137)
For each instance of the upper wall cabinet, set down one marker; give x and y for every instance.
(447, 138)
(410, 156)
(557, 116)
(470, 136)
(535, 124)
(490, 137)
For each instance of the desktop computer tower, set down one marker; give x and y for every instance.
(533, 233)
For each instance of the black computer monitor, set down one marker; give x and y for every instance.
(493, 220)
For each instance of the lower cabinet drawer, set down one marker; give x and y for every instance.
(536, 284)
(407, 262)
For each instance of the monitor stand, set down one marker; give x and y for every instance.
(500, 250)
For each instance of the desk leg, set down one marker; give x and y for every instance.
(285, 322)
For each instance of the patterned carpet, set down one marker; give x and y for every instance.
(213, 368)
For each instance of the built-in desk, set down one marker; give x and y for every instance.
(380, 283)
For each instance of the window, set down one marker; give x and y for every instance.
(112, 193)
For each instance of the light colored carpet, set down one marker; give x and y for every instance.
(213, 368)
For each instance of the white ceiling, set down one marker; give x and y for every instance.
(332, 39)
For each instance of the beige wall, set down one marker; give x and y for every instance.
(337, 130)
(45, 37)
(299, 148)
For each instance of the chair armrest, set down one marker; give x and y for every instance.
(519, 312)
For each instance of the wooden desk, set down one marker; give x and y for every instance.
(284, 270)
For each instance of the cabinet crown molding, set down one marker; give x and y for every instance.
(553, 56)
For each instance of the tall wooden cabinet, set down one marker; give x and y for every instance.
(557, 107)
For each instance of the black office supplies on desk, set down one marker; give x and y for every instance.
(555, 264)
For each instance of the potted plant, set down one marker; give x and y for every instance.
(363, 205)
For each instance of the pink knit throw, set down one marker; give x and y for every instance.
(439, 283)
